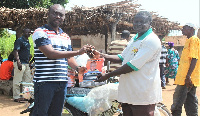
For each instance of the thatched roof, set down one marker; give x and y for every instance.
(83, 21)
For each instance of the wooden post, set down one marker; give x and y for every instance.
(106, 38)
(113, 30)
(198, 33)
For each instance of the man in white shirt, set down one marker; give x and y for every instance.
(139, 83)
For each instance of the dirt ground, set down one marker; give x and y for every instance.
(10, 108)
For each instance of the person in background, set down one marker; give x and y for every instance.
(139, 83)
(198, 33)
(172, 60)
(162, 63)
(117, 46)
(6, 69)
(53, 54)
(188, 75)
(22, 71)
(0, 60)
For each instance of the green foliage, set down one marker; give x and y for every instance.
(7, 45)
(3, 32)
(32, 45)
(25, 4)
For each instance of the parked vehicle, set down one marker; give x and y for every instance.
(95, 99)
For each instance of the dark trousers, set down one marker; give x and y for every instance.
(186, 96)
(162, 75)
(138, 110)
(49, 98)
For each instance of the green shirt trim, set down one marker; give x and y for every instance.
(119, 55)
(133, 67)
(143, 36)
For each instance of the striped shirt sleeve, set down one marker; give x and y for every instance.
(40, 38)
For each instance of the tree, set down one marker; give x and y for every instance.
(25, 4)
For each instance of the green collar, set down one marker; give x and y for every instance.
(143, 36)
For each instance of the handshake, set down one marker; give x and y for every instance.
(90, 51)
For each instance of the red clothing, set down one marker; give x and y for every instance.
(6, 70)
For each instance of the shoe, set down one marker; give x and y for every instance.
(163, 87)
(20, 100)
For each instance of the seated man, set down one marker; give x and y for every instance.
(6, 70)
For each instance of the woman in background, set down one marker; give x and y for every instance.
(172, 59)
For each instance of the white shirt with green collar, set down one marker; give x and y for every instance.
(141, 86)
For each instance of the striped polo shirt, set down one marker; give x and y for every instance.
(50, 69)
(163, 55)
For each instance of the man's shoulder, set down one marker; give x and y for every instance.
(152, 40)
(20, 39)
(194, 38)
(40, 32)
(64, 35)
(6, 63)
(40, 29)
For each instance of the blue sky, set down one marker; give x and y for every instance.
(182, 11)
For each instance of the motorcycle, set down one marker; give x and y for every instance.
(89, 98)
(93, 100)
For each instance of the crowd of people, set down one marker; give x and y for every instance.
(144, 64)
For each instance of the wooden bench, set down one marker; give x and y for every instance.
(6, 87)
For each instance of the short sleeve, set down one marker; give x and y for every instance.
(120, 56)
(194, 47)
(17, 44)
(40, 38)
(143, 55)
(146, 53)
(69, 48)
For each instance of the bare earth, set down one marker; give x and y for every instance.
(10, 108)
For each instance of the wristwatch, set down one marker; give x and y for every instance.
(77, 67)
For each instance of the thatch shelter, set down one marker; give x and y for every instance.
(109, 18)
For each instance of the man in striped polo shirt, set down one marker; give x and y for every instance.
(117, 46)
(53, 53)
(162, 63)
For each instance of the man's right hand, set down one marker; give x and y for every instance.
(19, 65)
(188, 82)
(85, 48)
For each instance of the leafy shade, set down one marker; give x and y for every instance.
(6, 45)
(25, 4)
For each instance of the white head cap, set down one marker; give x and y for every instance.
(192, 25)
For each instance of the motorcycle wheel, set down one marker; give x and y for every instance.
(71, 111)
(114, 109)
(163, 110)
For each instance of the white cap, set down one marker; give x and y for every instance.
(192, 25)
